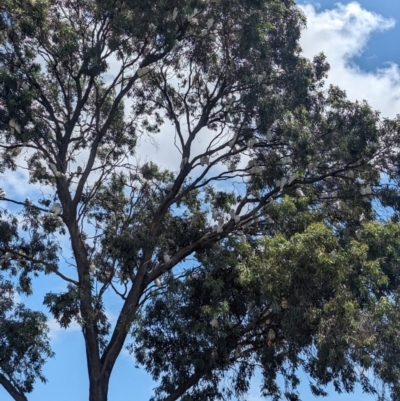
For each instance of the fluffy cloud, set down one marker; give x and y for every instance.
(343, 33)
(56, 329)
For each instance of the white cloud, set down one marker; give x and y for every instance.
(56, 329)
(343, 33)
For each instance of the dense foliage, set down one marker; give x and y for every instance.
(290, 172)
(24, 345)
(303, 301)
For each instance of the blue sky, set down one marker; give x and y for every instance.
(361, 42)
(381, 46)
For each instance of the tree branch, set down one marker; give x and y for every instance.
(11, 389)
(184, 386)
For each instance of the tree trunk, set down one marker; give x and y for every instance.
(11, 389)
(98, 389)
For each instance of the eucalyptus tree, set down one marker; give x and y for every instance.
(83, 81)
(306, 302)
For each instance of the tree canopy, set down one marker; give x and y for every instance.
(277, 197)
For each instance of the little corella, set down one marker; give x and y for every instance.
(14, 126)
(92, 268)
(214, 323)
(56, 209)
(292, 178)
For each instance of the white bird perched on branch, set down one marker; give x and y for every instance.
(120, 275)
(284, 181)
(58, 174)
(286, 160)
(251, 142)
(214, 214)
(174, 14)
(53, 168)
(204, 160)
(358, 234)
(5, 257)
(238, 351)
(92, 268)
(56, 209)
(193, 276)
(271, 335)
(230, 100)
(232, 166)
(367, 190)
(157, 282)
(299, 192)
(292, 178)
(214, 323)
(2, 193)
(166, 258)
(142, 71)
(184, 162)
(340, 204)
(311, 168)
(98, 224)
(14, 126)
